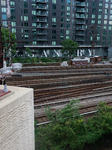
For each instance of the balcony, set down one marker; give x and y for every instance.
(80, 22)
(42, 1)
(42, 27)
(80, 16)
(79, 34)
(79, 39)
(42, 14)
(80, 4)
(42, 7)
(41, 20)
(79, 28)
(42, 33)
(80, 10)
(43, 39)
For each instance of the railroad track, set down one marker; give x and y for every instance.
(56, 86)
(87, 111)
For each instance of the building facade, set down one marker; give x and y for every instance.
(44, 24)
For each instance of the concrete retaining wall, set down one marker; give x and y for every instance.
(17, 120)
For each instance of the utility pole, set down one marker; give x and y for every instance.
(1, 53)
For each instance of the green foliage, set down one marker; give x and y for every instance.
(68, 132)
(8, 37)
(69, 47)
(43, 60)
(28, 52)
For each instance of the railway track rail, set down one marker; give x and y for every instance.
(56, 86)
(86, 111)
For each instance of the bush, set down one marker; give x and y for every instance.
(72, 133)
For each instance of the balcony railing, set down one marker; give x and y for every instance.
(41, 1)
(80, 22)
(41, 20)
(42, 14)
(41, 33)
(80, 16)
(41, 26)
(43, 39)
(41, 7)
(81, 4)
(79, 34)
(79, 39)
(80, 11)
(79, 28)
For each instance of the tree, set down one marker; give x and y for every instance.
(8, 39)
(28, 52)
(69, 47)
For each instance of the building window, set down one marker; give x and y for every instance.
(62, 7)
(53, 31)
(14, 30)
(4, 17)
(105, 21)
(12, 10)
(33, 24)
(13, 17)
(63, 1)
(53, 37)
(26, 24)
(25, 11)
(105, 16)
(68, 1)
(92, 21)
(33, 12)
(12, 3)
(53, 42)
(110, 17)
(3, 3)
(25, 5)
(4, 23)
(26, 36)
(53, 6)
(3, 10)
(99, 21)
(33, 18)
(62, 25)
(25, 18)
(93, 16)
(13, 24)
(100, 4)
(21, 18)
(62, 14)
(68, 20)
(62, 32)
(68, 8)
(62, 37)
(67, 32)
(54, 1)
(110, 22)
(62, 19)
(34, 31)
(68, 14)
(54, 25)
(106, 5)
(109, 27)
(54, 13)
(53, 19)
(34, 42)
(67, 37)
(68, 26)
(33, 5)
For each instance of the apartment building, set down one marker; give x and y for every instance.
(43, 24)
